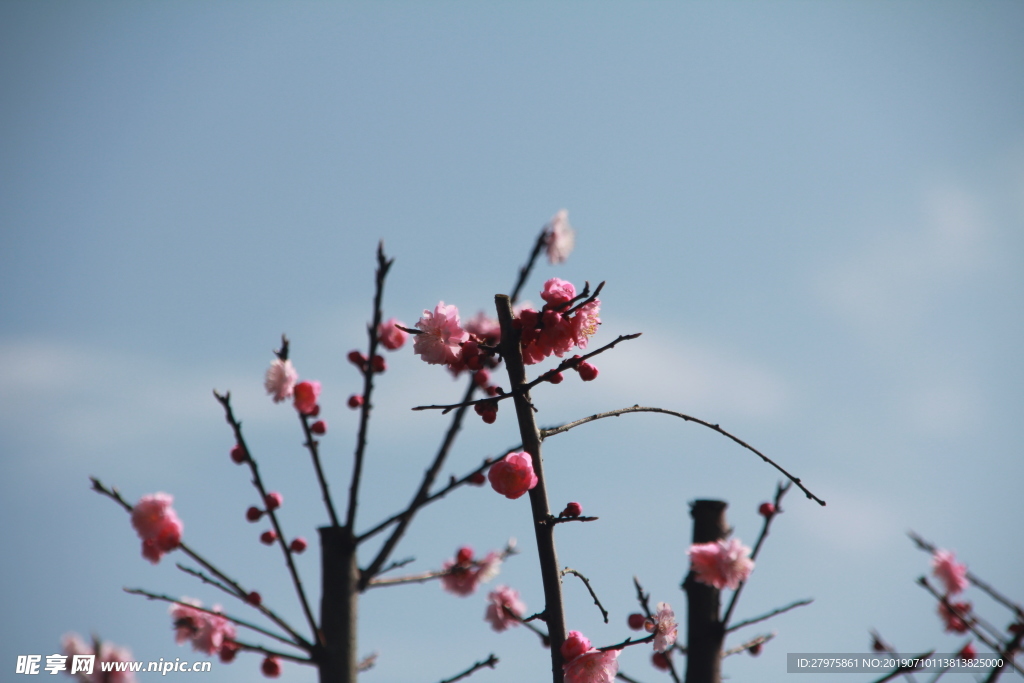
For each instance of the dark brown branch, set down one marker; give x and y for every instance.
(489, 662)
(313, 446)
(769, 615)
(561, 520)
(780, 491)
(383, 265)
(234, 620)
(526, 386)
(421, 496)
(257, 481)
(586, 582)
(239, 592)
(641, 409)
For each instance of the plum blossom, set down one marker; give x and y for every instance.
(557, 327)
(209, 633)
(72, 644)
(391, 335)
(953, 623)
(557, 291)
(503, 607)
(513, 475)
(722, 564)
(665, 628)
(157, 524)
(949, 571)
(463, 574)
(559, 237)
(280, 379)
(484, 328)
(306, 395)
(585, 664)
(441, 335)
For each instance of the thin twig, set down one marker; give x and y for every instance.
(524, 272)
(757, 640)
(628, 642)
(644, 600)
(545, 433)
(272, 653)
(586, 582)
(769, 615)
(780, 491)
(383, 265)
(234, 620)
(257, 481)
(489, 662)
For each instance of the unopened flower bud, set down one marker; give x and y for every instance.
(660, 661)
(254, 598)
(354, 401)
(587, 372)
(318, 427)
(572, 509)
(379, 364)
(482, 378)
(464, 555)
(477, 479)
(271, 667)
(238, 454)
(766, 509)
(274, 500)
(490, 418)
(228, 650)
(253, 514)
(357, 359)
(268, 537)
(754, 649)
(298, 544)
(555, 378)
(636, 621)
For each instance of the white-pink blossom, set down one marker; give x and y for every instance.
(208, 633)
(157, 524)
(73, 645)
(666, 629)
(463, 574)
(593, 666)
(280, 379)
(503, 606)
(441, 335)
(949, 571)
(559, 237)
(722, 564)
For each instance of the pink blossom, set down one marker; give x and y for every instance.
(665, 628)
(463, 574)
(513, 475)
(954, 623)
(593, 666)
(391, 336)
(306, 395)
(207, 632)
(157, 524)
(503, 607)
(280, 379)
(949, 571)
(559, 237)
(485, 328)
(585, 322)
(574, 645)
(441, 335)
(73, 645)
(723, 564)
(557, 291)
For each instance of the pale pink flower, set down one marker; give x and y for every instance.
(665, 628)
(391, 336)
(513, 475)
(503, 607)
(157, 524)
(949, 571)
(557, 291)
(306, 395)
(484, 328)
(208, 633)
(593, 666)
(441, 335)
(574, 645)
(280, 379)
(585, 322)
(559, 237)
(463, 574)
(723, 564)
(73, 645)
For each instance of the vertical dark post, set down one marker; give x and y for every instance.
(338, 605)
(705, 631)
(554, 610)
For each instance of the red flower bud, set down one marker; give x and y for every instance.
(238, 454)
(636, 621)
(660, 661)
(357, 359)
(587, 372)
(318, 427)
(274, 500)
(271, 667)
(379, 364)
(354, 401)
(254, 598)
(464, 555)
(268, 537)
(298, 544)
(477, 479)
(253, 514)
(573, 509)
(766, 509)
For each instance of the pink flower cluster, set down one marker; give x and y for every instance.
(723, 564)
(444, 341)
(209, 633)
(73, 645)
(463, 574)
(504, 608)
(560, 325)
(157, 524)
(586, 664)
(513, 475)
(949, 571)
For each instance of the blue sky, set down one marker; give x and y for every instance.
(813, 212)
